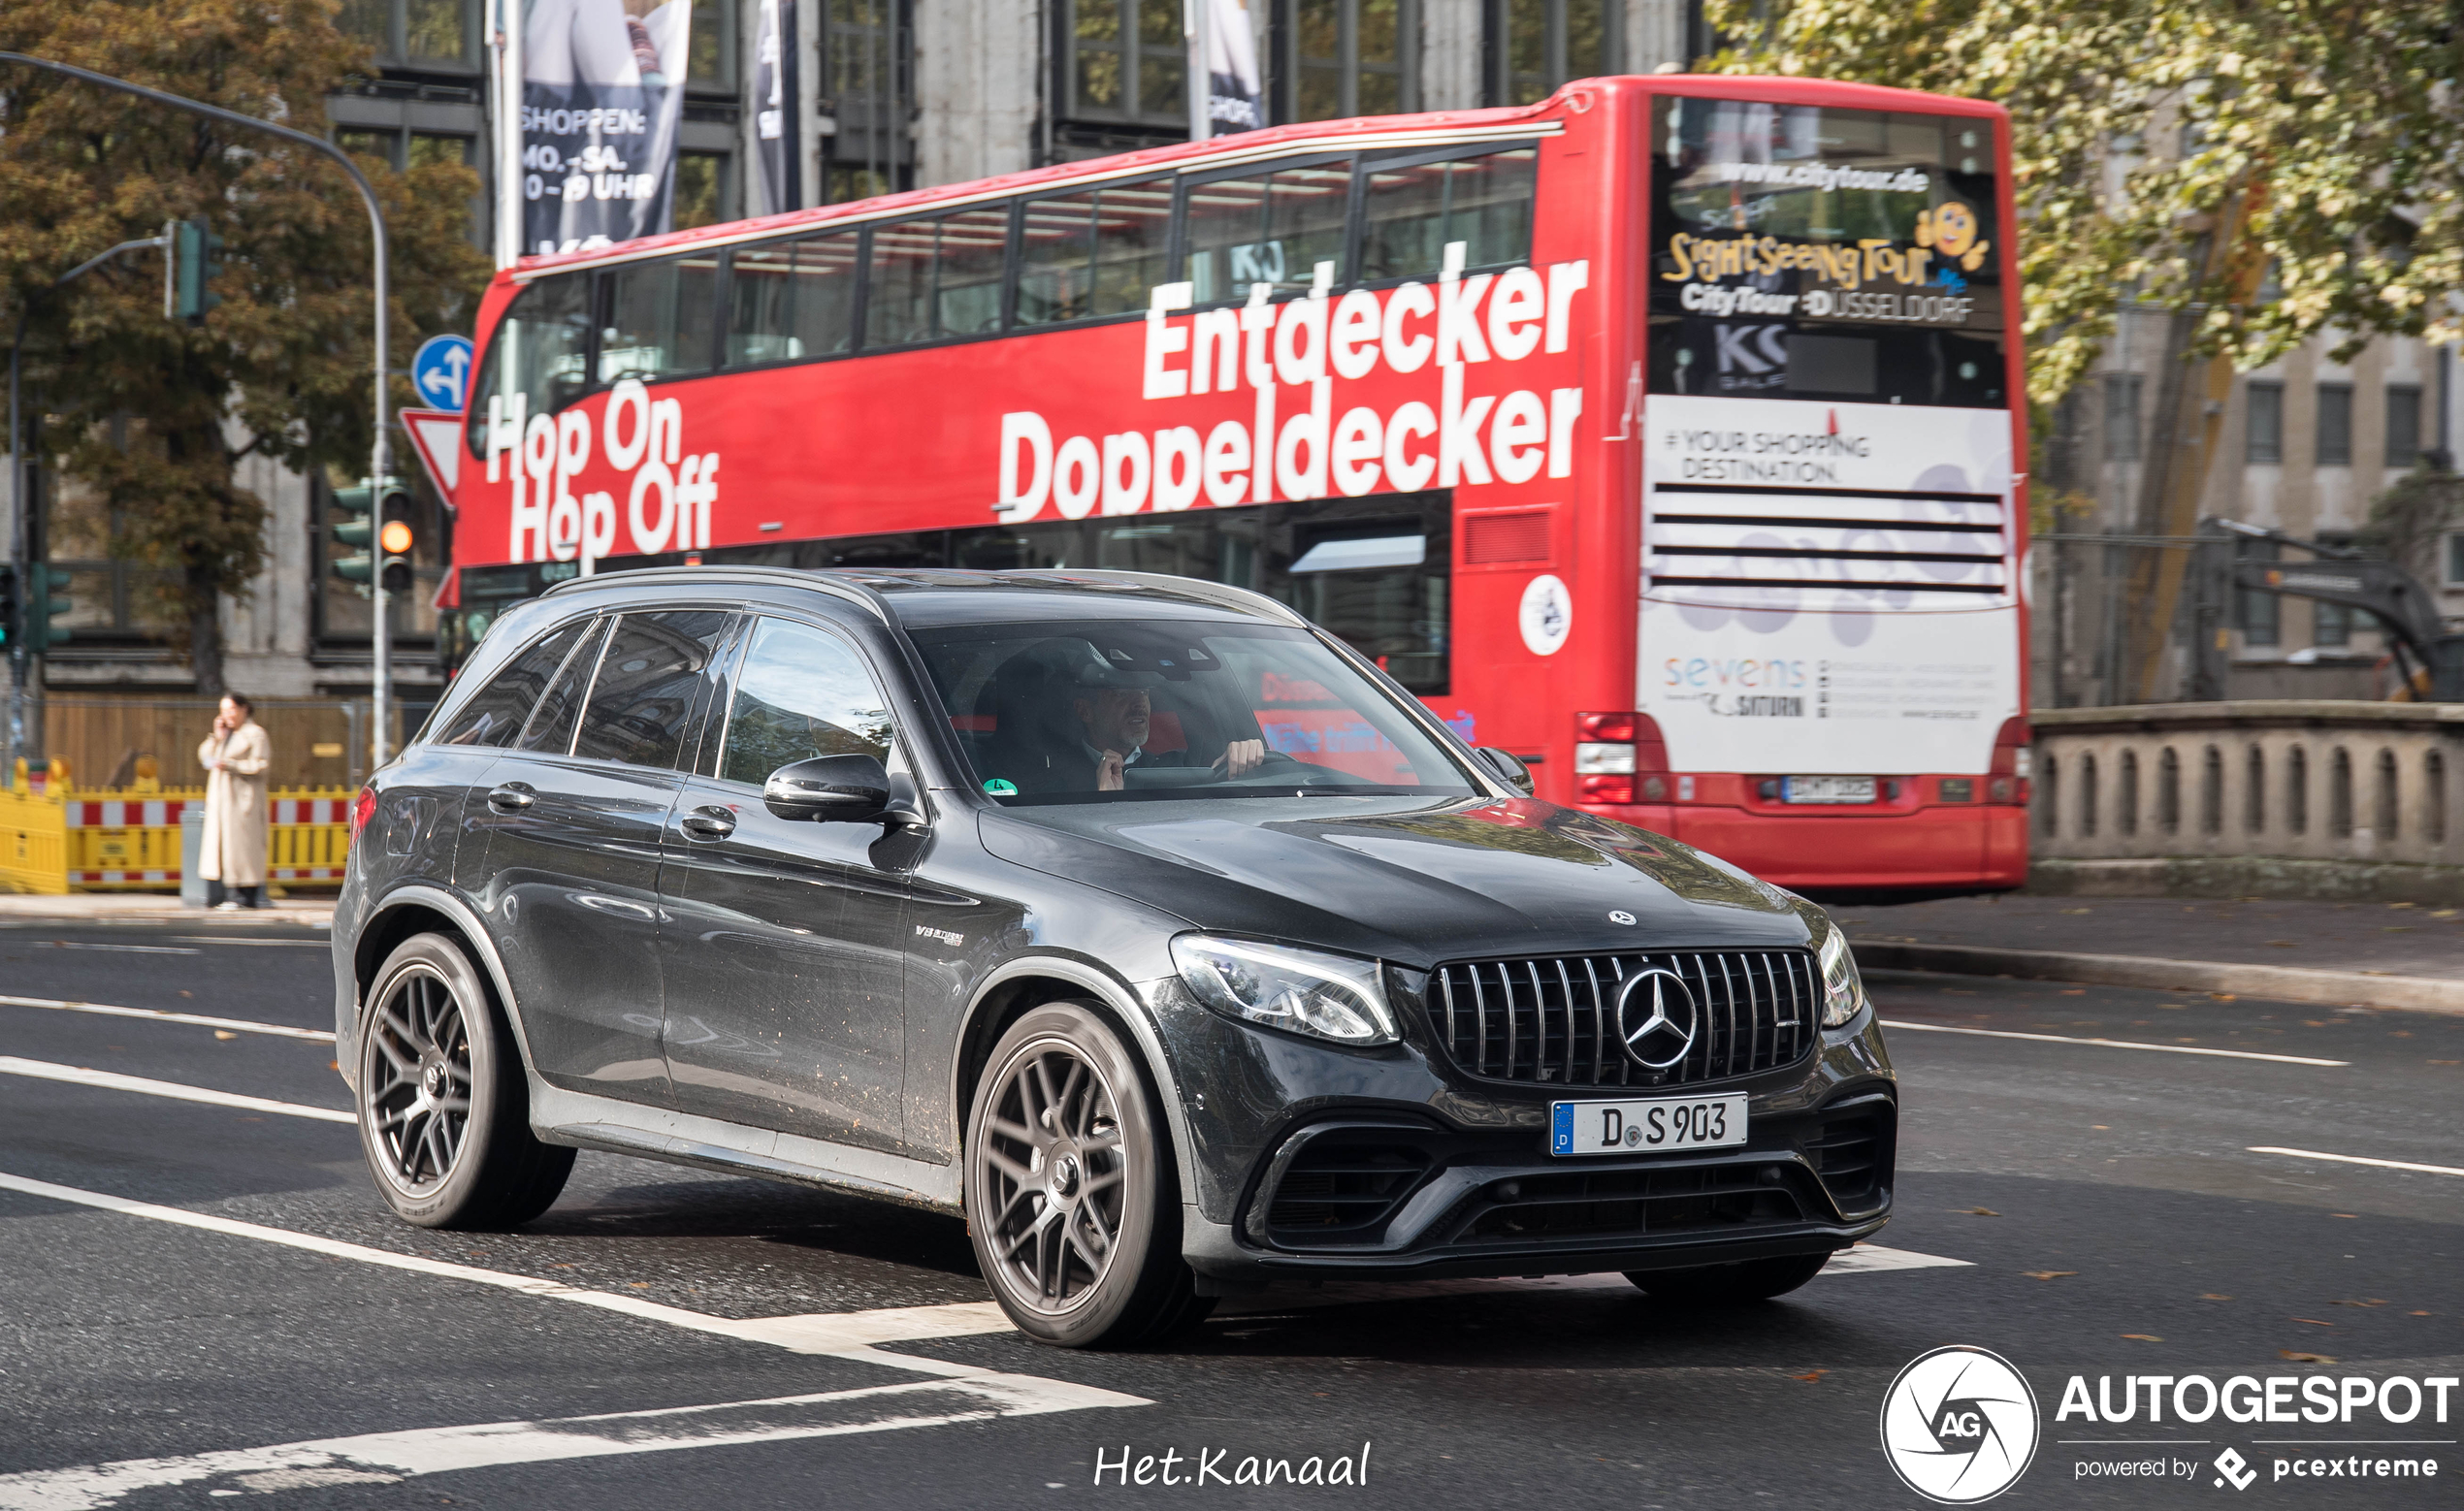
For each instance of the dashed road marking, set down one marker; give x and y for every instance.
(239, 1025)
(2108, 1044)
(2356, 1159)
(113, 1080)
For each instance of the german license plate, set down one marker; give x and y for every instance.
(1658, 1125)
(1826, 789)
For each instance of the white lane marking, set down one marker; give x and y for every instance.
(2356, 1159)
(235, 1024)
(1868, 1258)
(2108, 1044)
(125, 950)
(113, 1080)
(386, 1458)
(849, 1334)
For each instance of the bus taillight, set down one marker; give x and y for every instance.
(2009, 781)
(1611, 750)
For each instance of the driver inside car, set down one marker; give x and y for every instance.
(1113, 712)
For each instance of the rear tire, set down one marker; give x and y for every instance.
(1071, 1197)
(444, 1117)
(1752, 1280)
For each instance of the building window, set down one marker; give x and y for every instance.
(2264, 443)
(1129, 61)
(2454, 557)
(2261, 612)
(1536, 46)
(401, 150)
(867, 74)
(2122, 417)
(2404, 425)
(415, 31)
(2330, 625)
(710, 54)
(702, 190)
(1348, 57)
(2335, 425)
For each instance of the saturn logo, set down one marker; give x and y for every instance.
(1656, 1017)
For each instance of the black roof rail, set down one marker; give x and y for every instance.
(1222, 593)
(833, 583)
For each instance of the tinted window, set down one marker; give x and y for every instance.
(541, 350)
(1271, 228)
(1410, 212)
(1097, 252)
(792, 298)
(494, 716)
(658, 318)
(648, 681)
(801, 694)
(551, 725)
(934, 279)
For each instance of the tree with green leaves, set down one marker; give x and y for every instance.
(2323, 141)
(155, 416)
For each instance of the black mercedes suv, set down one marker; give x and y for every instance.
(1134, 917)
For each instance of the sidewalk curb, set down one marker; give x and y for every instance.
(2277, 983)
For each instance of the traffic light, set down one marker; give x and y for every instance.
(380, 510)
(46, 598)
(192, 259)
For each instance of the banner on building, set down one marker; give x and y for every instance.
(775, 86)
(602, 89)
(1236, 92)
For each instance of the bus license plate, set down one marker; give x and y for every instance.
(1827, 790)
(1645, 1126)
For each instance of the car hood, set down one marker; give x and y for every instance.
(1407, 879)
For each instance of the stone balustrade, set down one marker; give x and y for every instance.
(2369, 787)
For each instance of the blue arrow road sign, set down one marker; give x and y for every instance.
(441, 371)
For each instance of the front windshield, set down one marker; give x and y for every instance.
(1110, 710)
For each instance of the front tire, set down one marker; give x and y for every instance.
(1716, 1285)
(1072, 1199)
(444, 1110)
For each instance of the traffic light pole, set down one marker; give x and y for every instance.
(380, 449)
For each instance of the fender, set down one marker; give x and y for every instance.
(476, 935)
(1127, 1004)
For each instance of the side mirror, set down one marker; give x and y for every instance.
(828, 788)
(1507, 766)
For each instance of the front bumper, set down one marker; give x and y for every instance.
(1397, 1195)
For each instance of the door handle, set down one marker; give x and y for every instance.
(709, 823)
(512, 797)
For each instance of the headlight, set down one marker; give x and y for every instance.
(1843, 991)
(1299, 991)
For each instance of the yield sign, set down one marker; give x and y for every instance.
(436, 436)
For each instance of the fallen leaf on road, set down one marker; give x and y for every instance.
(2075, 911)
(186, 993)
(2076, 991)
(639, 1285)
(224, 1034)
(2281, 944)
(2375, 1301)
(2211, 1295)
(2047, 1275)
(2315, 1322)
(2221, 996)
(1979, 1211)
(2305, 1359)
(2417, 1314)
(2144, 1337)
(2352, 1215)
(1816, 1376)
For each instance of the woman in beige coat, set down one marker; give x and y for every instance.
(235, 756)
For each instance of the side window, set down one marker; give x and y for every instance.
(551, 725)
(801, 693)
(494, 716)
(935, 278)
(1096, 252)
(1272, 228)
(649, 679)
(1412, 212)
(540, 349)
(658, 318)
(789, 299)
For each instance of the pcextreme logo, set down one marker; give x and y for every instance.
(1959, 1425)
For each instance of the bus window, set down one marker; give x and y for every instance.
(660, 318)
(1096, 252)
(1413, 210)
(1271, 228)
(933, 278)
(789, 299)
(541, 351)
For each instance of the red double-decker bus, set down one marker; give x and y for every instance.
(1666, 434)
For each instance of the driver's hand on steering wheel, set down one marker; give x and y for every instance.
(1241, 758)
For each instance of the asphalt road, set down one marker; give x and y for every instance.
(2100, 1207)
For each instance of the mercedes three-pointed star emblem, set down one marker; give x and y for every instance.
(1656, 1017)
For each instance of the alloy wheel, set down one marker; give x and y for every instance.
(1056, 1177)
(417, 1098)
